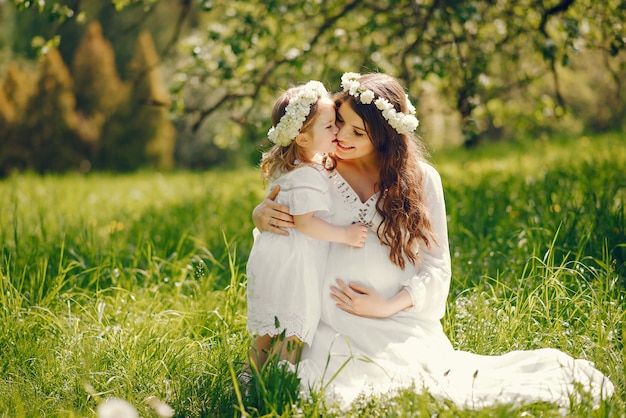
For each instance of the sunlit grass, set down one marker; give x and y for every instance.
(133, 287)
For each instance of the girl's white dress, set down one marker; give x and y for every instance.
(285, 272)
(354, 355)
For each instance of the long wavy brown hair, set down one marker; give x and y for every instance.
(401, 202)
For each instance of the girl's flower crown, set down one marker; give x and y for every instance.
(402, 123)
(295, 113)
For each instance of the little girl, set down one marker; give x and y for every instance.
(285, 271)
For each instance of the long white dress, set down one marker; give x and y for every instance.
(353, 355)
(284, 272)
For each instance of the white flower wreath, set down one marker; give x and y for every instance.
(402, 123)
(296, 112)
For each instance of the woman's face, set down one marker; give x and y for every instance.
(353, 141)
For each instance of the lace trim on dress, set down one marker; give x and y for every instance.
(364, 212)
(293, 324)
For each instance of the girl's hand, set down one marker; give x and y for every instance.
(361, 300)
(356, 234)
(271, 216)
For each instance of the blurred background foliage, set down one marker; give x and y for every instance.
(123, 84)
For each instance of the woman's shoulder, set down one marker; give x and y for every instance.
(429, 170)
(431, 179)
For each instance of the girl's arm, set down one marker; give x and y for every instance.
(317, 228)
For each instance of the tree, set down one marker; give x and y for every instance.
(502, 66)
(7, 124)
(15, 92)
(140, 131)
(48, 128)
(96, 81)
(97, 85)
(498, 63)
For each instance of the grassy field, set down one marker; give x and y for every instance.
(132, 286)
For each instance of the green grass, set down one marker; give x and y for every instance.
(132, 286)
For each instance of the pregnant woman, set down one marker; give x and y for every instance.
(382, 304)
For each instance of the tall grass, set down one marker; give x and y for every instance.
(132, 286)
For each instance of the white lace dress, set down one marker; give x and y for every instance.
(356, 354)
(284, 272)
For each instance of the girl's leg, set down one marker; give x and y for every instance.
(265, 346)
(259, 352)
(291, 349)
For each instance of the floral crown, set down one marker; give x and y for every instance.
(402, 123)
(296, 112)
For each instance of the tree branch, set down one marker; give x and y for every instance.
(328, 23)
(405, 69)
(182, 16)
(561, 7)
(264, 74)
(139, 22)
(207, 111)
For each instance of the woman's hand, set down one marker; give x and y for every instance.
(271, 216)
(365, 301)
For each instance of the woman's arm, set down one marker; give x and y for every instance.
(317, 228)
(430, 286)
(271, 216)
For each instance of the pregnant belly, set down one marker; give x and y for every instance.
(369, 265)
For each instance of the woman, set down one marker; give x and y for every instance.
(382, 304)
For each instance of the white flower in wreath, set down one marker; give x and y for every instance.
(401, 122)
(410, 122)
(367, 96)
(383, 104)
(296, 112)
(409, 105)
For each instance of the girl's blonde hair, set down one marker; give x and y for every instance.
(282, 159)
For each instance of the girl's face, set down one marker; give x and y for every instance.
(323, 132)
(353, 141)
